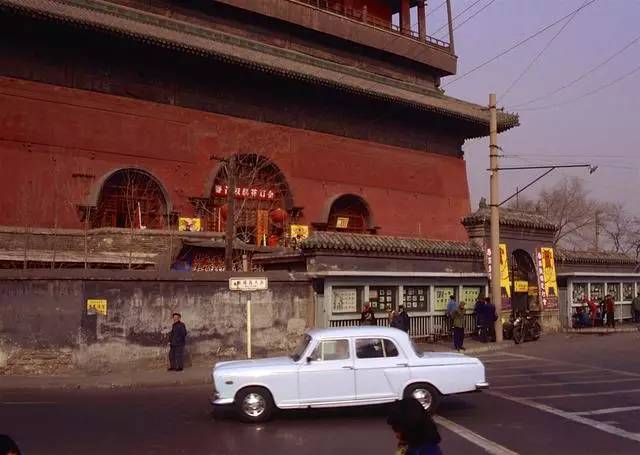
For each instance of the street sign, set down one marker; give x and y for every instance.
(248, 284)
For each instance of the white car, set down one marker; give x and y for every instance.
(347, 366)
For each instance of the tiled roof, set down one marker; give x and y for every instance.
(193, 38)
(363, 243)
(510, 217)
(593, 257)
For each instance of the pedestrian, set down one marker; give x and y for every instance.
(636, 308)
(458, 327)
(415, 430)
(451, 307)
(8, 446)
(177, 341)
(610, 308)
(401, 320)
(367, 316)
(479, 311)
(391, 314)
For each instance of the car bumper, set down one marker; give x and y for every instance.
(215, 400)
(482, 385)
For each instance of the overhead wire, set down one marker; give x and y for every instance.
(538, 55)
(457, 16)
(582, 76)
(519, 43)
(585, 95)
(472, 16)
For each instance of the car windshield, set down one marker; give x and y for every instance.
(417, 349)
(302, 346)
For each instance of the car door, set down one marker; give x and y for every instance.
(381, 369)
(328, 375)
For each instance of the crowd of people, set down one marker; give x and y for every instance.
(602, 312)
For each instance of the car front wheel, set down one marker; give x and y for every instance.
(426, 394)
(254, 404)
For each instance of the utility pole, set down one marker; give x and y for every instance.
(496, 293)
(230, 231)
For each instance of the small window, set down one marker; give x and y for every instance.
(331, 350)
(390, 349)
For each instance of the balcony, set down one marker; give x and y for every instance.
(362, 15)
(384, 25)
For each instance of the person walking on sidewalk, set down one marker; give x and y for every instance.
(636, 308)
(610, 308)
(457, 318)
(177, 341)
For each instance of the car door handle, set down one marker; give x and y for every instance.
(348, 367)
(402, 364)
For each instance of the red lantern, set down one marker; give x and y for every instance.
(223, 211)
(278, 215)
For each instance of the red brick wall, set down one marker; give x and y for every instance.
(49, 133)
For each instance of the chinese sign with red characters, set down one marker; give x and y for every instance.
(245, 192)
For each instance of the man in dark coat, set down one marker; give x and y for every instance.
(177, 340)
(401, 320)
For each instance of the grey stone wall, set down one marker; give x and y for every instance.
(45, 327)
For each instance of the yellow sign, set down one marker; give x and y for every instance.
(189, 224)
(545, 263)
(442, 297)
(505, 282)
(299, 231)
(342, 222)
(521, 286)
(97, 306)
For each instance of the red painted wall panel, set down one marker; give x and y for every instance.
(48, 134)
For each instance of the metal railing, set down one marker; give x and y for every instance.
(361, 15)
(420, 326)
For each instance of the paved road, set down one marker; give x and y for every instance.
(569, 395)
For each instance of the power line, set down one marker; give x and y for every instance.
(538, 55)
(584, 95)
(473, 15)
(457, 16)
(437, 8)
(520, 43)
(582, 76)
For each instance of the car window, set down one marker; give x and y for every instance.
(331, 350)
(369, 348)
(390, 349)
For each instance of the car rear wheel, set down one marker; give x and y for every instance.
(254, 404)
(426, 394)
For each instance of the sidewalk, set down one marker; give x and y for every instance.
(198, 374)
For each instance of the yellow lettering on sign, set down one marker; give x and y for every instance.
(342, 223)
(98, 306)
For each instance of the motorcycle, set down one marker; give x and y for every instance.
(526, 328)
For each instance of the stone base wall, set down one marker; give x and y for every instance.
(45, 327)
(550, 321)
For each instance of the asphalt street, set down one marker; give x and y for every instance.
(564, 394)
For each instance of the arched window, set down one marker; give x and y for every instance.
(262, 199)
(131, 198)
(349, 213)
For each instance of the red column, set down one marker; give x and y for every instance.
(422, 21)
(405, 17)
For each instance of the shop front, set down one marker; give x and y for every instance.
(423, 295)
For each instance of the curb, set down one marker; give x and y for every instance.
(601, 331)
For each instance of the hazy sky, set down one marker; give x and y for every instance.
(602, 129)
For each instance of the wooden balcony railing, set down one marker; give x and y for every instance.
(361, 15)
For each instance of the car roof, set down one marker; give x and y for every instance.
(356, 331)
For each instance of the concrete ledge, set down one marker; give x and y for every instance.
(602, 330)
